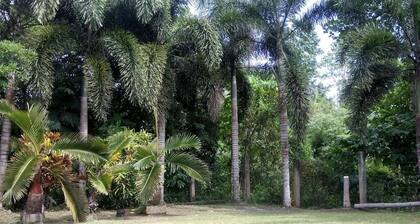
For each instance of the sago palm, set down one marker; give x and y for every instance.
(149, 166)
(44, 159)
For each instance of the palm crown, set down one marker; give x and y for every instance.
(149, 167)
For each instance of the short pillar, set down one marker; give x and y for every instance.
(346, 192)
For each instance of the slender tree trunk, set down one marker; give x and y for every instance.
(83, 130)
(247, 177)
(33, 212)
(159, 196)
(192, 190)
(297, 185)
(284, 124)
(235, 141)
(362, 178)
(5, 137)
(417, 77)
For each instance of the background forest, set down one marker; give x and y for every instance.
(85, 74)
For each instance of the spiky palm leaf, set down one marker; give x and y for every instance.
(371, 55)
(148, 181)
(146, 9)
(91, 151)
(91, 12)
(49, 42)
(19, 175)
(192, 166)
(76, 200)
(182, 142)
(141, 67)
(202, 36)
(99, 81)
(33, 123)
(45, 10)
(117, 142)
(102, 183)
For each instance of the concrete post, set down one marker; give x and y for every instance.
(346, 192)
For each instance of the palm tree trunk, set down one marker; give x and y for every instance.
(247, 177)
(235, 140)
(33, 212)
(5, 136)
(417, 77)
(192, 190)
(159, 196)
(297, 185)
(83, 129)
(284, 124)
(362, 178)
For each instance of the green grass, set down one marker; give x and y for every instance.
(227, 214)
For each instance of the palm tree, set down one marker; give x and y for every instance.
(277, 21)
(395, 15)
(43, 159)
(147, 162)
(235, 34)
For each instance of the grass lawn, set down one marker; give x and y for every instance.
(227, 214)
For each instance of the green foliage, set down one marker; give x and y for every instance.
(15, 60)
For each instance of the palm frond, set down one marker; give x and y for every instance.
(33, 122)
(145, 157)
(141, 67)
(45, 10)
(19, 175)
(117, 142)
(76, 200)
(91, 12)
(146, 9)
(148, 181)
(194, 167)
(101, 183)
(49, 42)
(202, 36)
(92, 150)
(99, 81)
(182, 142)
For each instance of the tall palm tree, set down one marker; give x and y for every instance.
(147, 162)
(44, 159)
(401, 15)
(235, 34)
(277, 21)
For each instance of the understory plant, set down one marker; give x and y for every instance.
(43, 160)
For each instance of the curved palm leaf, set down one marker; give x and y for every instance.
(117, 142)
(148, 181)
(203, 36)
(19, 175)
(102, 183)
(99, 80)
(91, 151)
(190, 164)
(181, 142)
(91, 12)
(33, 122)
(45, 10)
(146, 9)
(141, 67)
(49, 42)
(76, 200)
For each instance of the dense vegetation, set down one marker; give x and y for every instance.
(162, 98)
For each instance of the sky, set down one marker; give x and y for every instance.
(325, 44)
